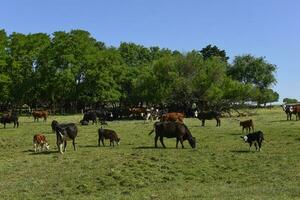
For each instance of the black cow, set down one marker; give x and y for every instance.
(173, 130)
(202, 116)
(9, 118)
(256, 138)
(65, 132)
(90, 116)
(108, 134)
(53, 125)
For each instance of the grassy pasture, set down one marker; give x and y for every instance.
(221, 167)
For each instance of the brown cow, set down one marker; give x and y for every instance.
(40, 114)
(40, 143)
(248, 124)
(108, 134)
(173, 116)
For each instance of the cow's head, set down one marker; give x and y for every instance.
(192, 142)
(245, 138)
(118, 141)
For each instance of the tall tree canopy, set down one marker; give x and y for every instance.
(72, 70)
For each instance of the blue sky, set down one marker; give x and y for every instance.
(269, 28)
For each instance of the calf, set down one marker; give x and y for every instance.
(108, 134)
(40, 143)
(256, 138)
(173, 130)
(248, 124)
(65, 132)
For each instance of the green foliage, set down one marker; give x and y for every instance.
(290, 100)
(213, 51)
(71, 70)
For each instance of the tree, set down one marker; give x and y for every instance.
(256, 71)
(289, 100)
(213, 51)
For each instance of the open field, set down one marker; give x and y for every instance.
(221, 167)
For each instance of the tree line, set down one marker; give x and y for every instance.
(72, 70)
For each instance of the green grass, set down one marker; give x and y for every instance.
(221, 167)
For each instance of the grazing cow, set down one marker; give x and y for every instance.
(40, 114)
(65, 132)
(90, 116)
(248, 124)
(173, 130)
(108, 134)
(9, 118)
(172, 116)
(202, 116)
(40, 143)
(256, 138)
(53, 125)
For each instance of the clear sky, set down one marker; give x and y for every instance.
(269, 28)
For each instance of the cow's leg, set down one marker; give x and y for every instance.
(181, 141)
(74, 145)
(259, 145)
(161, 139)
(250, 144)
(203, 122)
(35, 147)
(177, 140)
(255, 144)
(155, 141)
(99, 142)
(60, 146)
(103, 141)
(65, 145)
(4, 124)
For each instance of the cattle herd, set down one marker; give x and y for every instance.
(168, 124)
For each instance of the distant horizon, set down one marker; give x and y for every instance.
(267, 28)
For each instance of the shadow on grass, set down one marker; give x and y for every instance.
(241, 151)
(159, 147)
(88, 146)
(297, 139)
(282, 120)
(31, 152)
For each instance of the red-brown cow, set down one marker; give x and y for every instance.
(173, 116)
(40, 142)
(40, 114)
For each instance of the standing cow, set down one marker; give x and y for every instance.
(248, 125)
(65, 132)
(202, 116)
(173, 130)
(9, 118)
(256, 138)
(40, 114)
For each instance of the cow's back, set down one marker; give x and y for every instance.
(169, 129)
